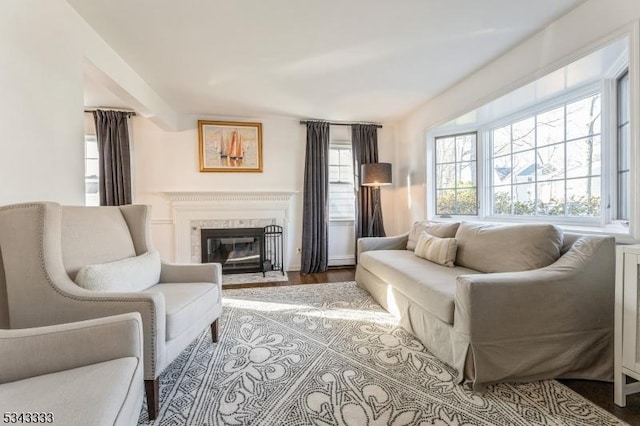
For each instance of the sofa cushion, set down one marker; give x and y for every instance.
(185, 303)
(430, 285)
(90, 395)
(439, 250)
(442, 230)
(507, 248)
(130, 274)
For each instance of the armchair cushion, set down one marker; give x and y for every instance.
(130, 274)
(185, 303)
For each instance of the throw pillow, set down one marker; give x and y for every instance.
(435, 249)
(442, 230)
(126, 275)
(507, 248)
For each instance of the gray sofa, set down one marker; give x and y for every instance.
(83, 373)
(521, 303)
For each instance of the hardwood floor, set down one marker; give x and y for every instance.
(600, 393)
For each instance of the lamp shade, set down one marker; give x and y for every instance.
(375, 174)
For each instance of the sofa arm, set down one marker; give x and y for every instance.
(575, 294)
(33, 352)
(204, 273)
(396, 242)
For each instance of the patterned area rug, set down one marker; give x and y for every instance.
(327, 354)
(251, 278)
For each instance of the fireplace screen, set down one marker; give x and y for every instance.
(238, 250)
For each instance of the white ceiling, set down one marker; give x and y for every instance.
(332, 59)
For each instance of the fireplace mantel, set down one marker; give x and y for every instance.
(189, 207)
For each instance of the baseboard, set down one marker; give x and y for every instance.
(342, 261)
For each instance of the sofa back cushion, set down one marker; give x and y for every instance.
(125, 275)
(441, 230)
(508, 248)
(93, 235)
(439, 250)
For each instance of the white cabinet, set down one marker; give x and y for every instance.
(627, 320)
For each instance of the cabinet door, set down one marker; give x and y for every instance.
(630, 329)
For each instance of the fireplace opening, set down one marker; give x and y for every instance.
(239, 250)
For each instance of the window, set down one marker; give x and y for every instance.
(341, 191)
(548, 164)
(456, 177)
(623, 148)
(91, 171)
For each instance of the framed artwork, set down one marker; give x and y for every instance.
(230, 146)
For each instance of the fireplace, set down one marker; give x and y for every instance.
(239, 250)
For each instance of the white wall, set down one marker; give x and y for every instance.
(41, 148)
(167, 161)
(563, 41)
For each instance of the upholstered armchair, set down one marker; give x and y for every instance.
(82, 373)
(45, 247)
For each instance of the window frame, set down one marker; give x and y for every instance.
(455, 162)
(341, 145)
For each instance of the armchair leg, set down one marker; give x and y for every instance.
(214, 331)
(151, 388)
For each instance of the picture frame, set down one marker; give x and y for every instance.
(230, 146)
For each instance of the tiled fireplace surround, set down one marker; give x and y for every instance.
(193, 211)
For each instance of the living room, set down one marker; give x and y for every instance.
(422, 73)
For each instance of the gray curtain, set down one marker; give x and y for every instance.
(315, 229)
(364, 140)
(115, 162)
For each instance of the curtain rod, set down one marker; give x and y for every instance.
(333, 123)
(110, 109)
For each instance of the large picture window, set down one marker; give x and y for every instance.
(456, 175)
(549, 164)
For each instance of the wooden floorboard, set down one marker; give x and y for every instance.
(600, 393)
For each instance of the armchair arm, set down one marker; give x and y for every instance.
(396, 242)
(574, 294)
(35, 351)
(205, 272)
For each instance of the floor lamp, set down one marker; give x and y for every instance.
(375, 175)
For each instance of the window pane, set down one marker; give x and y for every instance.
(624, 155)
(466, 174)
(445, 201)
(524, 135)
(91, 168)
(550, 162)
(334, 173)
(502, 170)
(524, 167)
(583, 157)
(583, 117)
(550, 127)
(466, 146)
(446, 176)
(91, 147)
(445, 150)
(623, 196)
(345, 157)
(523, 199)
(623, 99)
(466, 201)
(334, 157)
(583, 197)
(551, 198)
(502, 200)
(502, 141)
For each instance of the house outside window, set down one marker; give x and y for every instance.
(341, 186)
(456, 174)
(549, 163)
